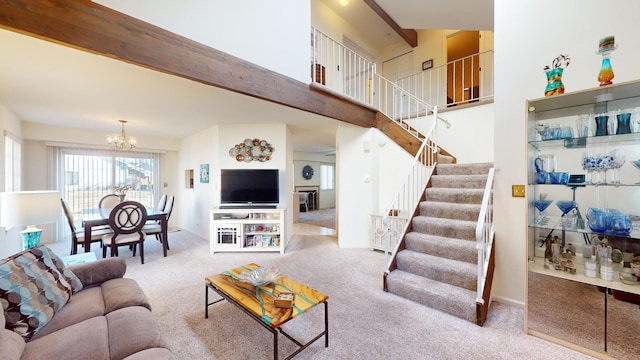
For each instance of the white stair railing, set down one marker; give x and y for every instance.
(484, 235)
(406, 200)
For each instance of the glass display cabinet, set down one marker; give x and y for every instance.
(583, 239)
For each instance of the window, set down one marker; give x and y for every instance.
(12, 161)
(86, 175)
(327, 177)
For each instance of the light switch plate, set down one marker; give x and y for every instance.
(517, 190)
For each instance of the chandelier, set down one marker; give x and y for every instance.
(120, 141)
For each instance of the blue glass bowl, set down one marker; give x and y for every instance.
(566, 205)
(559, 177)
(620, 223)
(598, 220)
(542, 205)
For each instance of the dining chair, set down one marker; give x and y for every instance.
(303, 201)
(162, 202)
(126, 220)
(77, 234)
(156, 229)
(108, 202)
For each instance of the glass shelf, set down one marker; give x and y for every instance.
(555, 223)
(575, 143)
(588, 185)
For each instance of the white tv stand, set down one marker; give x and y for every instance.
(247, 229)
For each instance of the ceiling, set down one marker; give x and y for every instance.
(43, 82)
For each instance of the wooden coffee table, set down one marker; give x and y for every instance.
(258, 302)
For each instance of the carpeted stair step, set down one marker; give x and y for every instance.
(447, 210)
(452, 272)
(464, 169)
(460, 196)
(440, 296)
(454, 249)
(459, 181)
(460, 229)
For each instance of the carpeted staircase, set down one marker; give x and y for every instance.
(438, 265)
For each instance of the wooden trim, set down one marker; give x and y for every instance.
(408, 35)
(91, 27)
(483, 309)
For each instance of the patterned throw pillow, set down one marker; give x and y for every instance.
(32, 290)
(68, 275)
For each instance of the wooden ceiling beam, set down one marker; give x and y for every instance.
(88, 26)
(408, 35)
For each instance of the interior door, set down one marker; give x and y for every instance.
(397, 68)
(463, 67)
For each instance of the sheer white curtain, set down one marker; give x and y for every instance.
(83, 176)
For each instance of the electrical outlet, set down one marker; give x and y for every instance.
(517, 190)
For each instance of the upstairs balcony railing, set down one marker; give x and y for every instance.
(343, 72)
(347, 73)
(457, 82)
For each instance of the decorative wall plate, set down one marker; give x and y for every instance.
(252, 150)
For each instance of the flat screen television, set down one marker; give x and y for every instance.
(249, 186)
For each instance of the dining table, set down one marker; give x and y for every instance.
(99, 217)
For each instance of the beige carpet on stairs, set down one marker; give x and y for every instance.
(364, 321)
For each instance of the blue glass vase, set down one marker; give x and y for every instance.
(624, 123)
(601, 125)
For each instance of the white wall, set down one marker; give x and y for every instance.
(471, 135)
(355, 194)
(10, 242)
(273, 34)
(389, 164)
(529, 35)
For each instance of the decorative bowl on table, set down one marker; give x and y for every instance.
(260, 276)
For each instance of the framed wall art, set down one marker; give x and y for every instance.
(204, 173)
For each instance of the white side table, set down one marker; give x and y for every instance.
(79, 258)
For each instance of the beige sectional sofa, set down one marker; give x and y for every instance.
(85, 311)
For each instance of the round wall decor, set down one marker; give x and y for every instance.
(307, 172)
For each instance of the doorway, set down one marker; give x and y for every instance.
(463, 67)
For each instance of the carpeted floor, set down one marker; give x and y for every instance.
(364, 321)
(324, 217)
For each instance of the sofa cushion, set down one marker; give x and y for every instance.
(68, 275)
(32, 290)
(131, 330)
(12, 344)
(152, 354)
(84, 305)
(97, 272)
(120, 293)
(85, 340)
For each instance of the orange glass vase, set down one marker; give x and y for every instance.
(606, 72)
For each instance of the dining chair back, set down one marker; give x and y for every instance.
(169, 206)
(126, 220)
(108, 202)
(156, 229)
(77, 234)
(162, 202)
